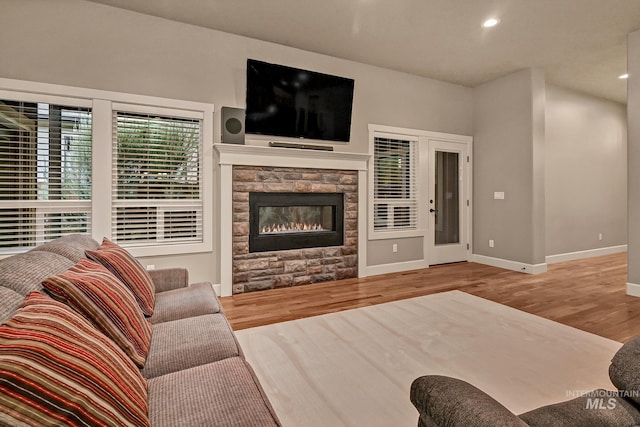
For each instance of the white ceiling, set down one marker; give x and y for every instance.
(581, 44)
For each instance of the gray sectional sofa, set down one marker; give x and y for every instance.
(450, 402)
(195, 371)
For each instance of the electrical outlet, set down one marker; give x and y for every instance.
(394, 248)
(491, 243)
(151, 267)
(599, 236)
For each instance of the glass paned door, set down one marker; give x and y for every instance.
(448, 202)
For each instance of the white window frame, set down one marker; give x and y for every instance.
(378, 131)
(102, 103)
(44, 207)
(164, 206)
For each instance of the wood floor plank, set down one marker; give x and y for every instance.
(587, 294)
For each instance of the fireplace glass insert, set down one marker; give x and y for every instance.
(280, 221)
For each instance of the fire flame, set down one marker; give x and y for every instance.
(293, 227)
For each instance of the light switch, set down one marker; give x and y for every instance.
(498, 195)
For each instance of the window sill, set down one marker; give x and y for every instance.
(174, 249)
(396, 234)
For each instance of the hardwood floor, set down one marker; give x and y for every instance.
(587, 294)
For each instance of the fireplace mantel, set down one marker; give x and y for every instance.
(228, 155)
(255, 155)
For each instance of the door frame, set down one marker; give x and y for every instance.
(466, 232)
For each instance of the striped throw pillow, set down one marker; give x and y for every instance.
(128, 269)
(57, 369)
(101, 297)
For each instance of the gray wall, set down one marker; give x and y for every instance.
(380, 252)
(633, 150)
(78, 43)
(508, 152)
(586, 172)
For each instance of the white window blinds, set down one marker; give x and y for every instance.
(157, 180)
(45, 172)
(395, 204)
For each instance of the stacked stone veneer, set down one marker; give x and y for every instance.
(276, 269)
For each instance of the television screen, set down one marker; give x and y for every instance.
(295, 103)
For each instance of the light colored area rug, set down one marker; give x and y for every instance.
(354, 368)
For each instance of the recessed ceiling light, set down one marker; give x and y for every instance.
(623, 76)
(491, 22)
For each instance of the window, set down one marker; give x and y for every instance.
(395, 198)
(128, 167)
(157, 181)
(45, 172)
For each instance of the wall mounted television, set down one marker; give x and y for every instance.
(294, 103)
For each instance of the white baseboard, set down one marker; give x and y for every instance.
(633, 289)
(571, 256)
(510, 265)
(374, 270)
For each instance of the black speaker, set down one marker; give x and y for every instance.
(232, 125)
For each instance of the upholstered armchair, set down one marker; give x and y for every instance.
(449, 402)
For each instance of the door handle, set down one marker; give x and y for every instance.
(433, 210)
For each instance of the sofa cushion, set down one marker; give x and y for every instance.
(101, 297)
(599, 408)
(224, 393)
(189, 342)
(624, 370)
(25, 272)
(71, 246)
(127, 269)
(194, 300)
(11, 300)
(167, 279)
(57, 369)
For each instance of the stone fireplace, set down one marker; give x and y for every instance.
(329, 191)
(293, 226)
